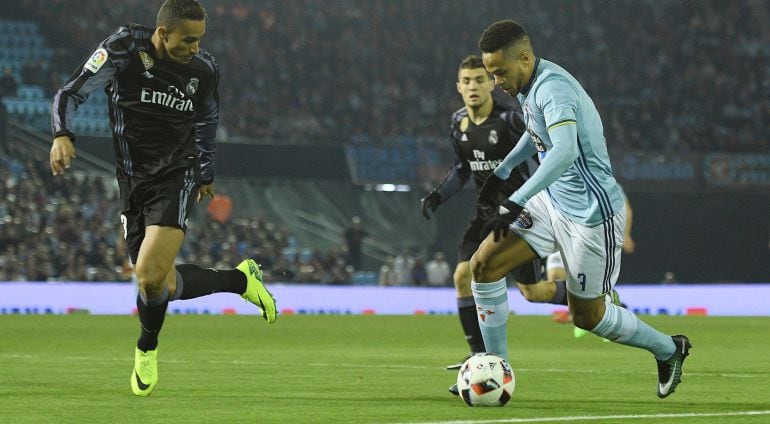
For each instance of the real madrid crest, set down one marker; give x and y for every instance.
(493, 137)
(192, 86)
(146, 60)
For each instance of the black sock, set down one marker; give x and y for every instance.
(560, 295)
(152, 312)
(193, 281)
(466, 306)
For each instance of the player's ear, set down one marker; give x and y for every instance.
(525, 56)
(163, 33)
(459, 90)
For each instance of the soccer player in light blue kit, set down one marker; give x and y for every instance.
(573, 206)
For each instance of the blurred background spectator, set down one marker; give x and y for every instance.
(439, 271)
(330, 71)
(669, 78)
(387, 275)
(8, 84)
(354, 237)
(67, 229)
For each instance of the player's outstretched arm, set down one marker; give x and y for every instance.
(563, 154)
(62, 153)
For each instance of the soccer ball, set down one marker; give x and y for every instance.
(486, 380)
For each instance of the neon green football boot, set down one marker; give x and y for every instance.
(256, 292)
(579, 332)
(144, 378)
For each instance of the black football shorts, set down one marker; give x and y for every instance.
(165, 201)
(529, 273)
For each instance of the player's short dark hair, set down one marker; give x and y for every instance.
(501, 35)
(471, 62)
(173, 12)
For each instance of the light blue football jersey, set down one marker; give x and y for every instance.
(578, 177)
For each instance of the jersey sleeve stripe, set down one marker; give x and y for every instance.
(562, 123)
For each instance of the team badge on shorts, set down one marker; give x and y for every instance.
(524, 221)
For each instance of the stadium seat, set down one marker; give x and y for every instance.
(364, 278)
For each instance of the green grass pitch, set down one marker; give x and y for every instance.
(368, 369)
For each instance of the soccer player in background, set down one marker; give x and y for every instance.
(482, 133)
(573, 202)
(164, 111)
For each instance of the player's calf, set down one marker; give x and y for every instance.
(586, 313)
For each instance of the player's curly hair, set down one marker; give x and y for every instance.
(501, 35)
(173, 12)
(471, 62)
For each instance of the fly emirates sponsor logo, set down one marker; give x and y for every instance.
(173, 98)
(481, 163)
(484, 165)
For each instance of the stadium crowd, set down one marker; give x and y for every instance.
(67, 229)
(666, 75)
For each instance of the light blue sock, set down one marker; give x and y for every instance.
(621, 326)
(492, 309)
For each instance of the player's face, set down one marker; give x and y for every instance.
(475, 86)
(183, 41)
(508, 70)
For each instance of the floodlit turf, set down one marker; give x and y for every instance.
(367, 369)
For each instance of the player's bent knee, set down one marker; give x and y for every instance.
(462, 280)
(151, 280)
(462, 284)
(477, 268)
(481, 271)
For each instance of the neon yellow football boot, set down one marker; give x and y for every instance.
(256, 292)
(144, 378)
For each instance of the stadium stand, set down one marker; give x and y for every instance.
(307, 86)
(64, 229)
(379, 75)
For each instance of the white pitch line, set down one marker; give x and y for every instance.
(598, 417)
(383, 366)
(184, 361)
(590, 371)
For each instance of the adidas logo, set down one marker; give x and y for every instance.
(464, 137)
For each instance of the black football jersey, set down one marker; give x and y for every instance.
(163, 114)
(480, 148)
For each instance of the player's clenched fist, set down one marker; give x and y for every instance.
(62, 153)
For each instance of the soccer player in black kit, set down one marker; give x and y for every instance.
(164, 111)
(482, 133)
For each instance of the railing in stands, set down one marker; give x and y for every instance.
(41, 142)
